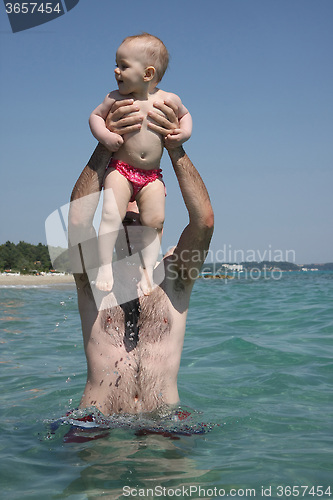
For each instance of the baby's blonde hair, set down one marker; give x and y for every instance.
(155, 51)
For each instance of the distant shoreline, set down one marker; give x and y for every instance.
(30, 279)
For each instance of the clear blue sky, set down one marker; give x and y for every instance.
(257, 76)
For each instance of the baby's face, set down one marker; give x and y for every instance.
(130, 70)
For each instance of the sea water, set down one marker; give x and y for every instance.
(257, 367)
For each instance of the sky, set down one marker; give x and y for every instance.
(257, 77)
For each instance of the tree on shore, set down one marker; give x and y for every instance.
(24, 257)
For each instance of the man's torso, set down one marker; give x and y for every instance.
(133, 354)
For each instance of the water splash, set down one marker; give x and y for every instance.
(89, 424)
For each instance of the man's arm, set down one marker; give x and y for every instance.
(84, 200)
(192, 248)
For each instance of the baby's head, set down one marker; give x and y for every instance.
(154, 52)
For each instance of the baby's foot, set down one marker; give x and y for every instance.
(146, 284)
(104, 280)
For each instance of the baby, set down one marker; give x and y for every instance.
(134, 172)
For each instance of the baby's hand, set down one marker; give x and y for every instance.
(175, 139)
(114, 142)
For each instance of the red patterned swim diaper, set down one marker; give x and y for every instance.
(138, 177)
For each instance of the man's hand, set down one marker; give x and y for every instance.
(168, 125)
(124, 117)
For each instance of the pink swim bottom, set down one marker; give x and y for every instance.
(138, 177)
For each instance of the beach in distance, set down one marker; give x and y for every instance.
(30, 280)
(57, 278)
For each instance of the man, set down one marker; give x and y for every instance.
(133, 343)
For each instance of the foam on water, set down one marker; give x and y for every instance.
(182, 421)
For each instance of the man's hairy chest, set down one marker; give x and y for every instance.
(138, 323)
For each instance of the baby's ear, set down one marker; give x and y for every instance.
(150, 72)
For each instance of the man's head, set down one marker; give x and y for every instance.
(146, 54)
(131, 237)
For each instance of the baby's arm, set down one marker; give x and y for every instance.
(98, 128)
(182, 134)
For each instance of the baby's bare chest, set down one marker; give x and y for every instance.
(147, 106)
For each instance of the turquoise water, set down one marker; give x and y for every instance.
(257, 361)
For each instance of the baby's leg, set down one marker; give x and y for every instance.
(151, 202)
(117, 193)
